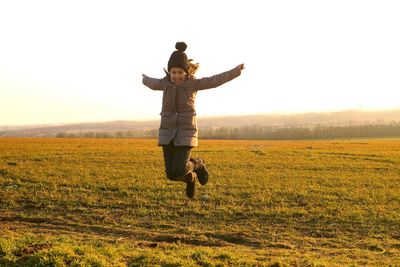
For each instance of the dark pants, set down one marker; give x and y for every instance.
(177, 161)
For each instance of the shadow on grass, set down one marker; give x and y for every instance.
(116, 233)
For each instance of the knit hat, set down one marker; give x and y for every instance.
(178, 58)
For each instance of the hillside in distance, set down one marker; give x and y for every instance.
(310, 119)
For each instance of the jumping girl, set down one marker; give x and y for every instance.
(178, 128)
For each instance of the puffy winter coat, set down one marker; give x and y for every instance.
(178, 114)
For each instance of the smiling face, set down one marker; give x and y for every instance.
(177, 75)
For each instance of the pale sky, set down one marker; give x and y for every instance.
(82, 61)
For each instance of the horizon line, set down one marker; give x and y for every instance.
(206, 116)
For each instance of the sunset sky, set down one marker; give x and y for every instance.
(82, 61)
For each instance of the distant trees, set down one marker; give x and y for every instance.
(110, 134)
(302, 132)
(262, 132)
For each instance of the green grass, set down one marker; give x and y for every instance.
(106, 202)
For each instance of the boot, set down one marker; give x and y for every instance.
(200, 169)
(190, 180)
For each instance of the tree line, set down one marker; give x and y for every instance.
(110, 134)
(257, 132)
(302, 132)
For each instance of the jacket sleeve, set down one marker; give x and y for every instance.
(152, 83)
(216, 80)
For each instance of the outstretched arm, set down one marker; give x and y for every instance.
(219, 79)
(152, 83)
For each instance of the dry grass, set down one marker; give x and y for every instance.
(91, 202)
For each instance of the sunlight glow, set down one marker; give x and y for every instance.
(82, 61)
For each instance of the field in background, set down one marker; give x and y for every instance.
(106, 202)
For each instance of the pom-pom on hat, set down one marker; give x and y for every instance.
(179, 58)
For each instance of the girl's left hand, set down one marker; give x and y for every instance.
(240, 66)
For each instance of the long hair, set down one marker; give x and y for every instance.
(192, 68)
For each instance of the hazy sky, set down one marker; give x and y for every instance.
(80, 61)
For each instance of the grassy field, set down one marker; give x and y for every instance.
(106, 202)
